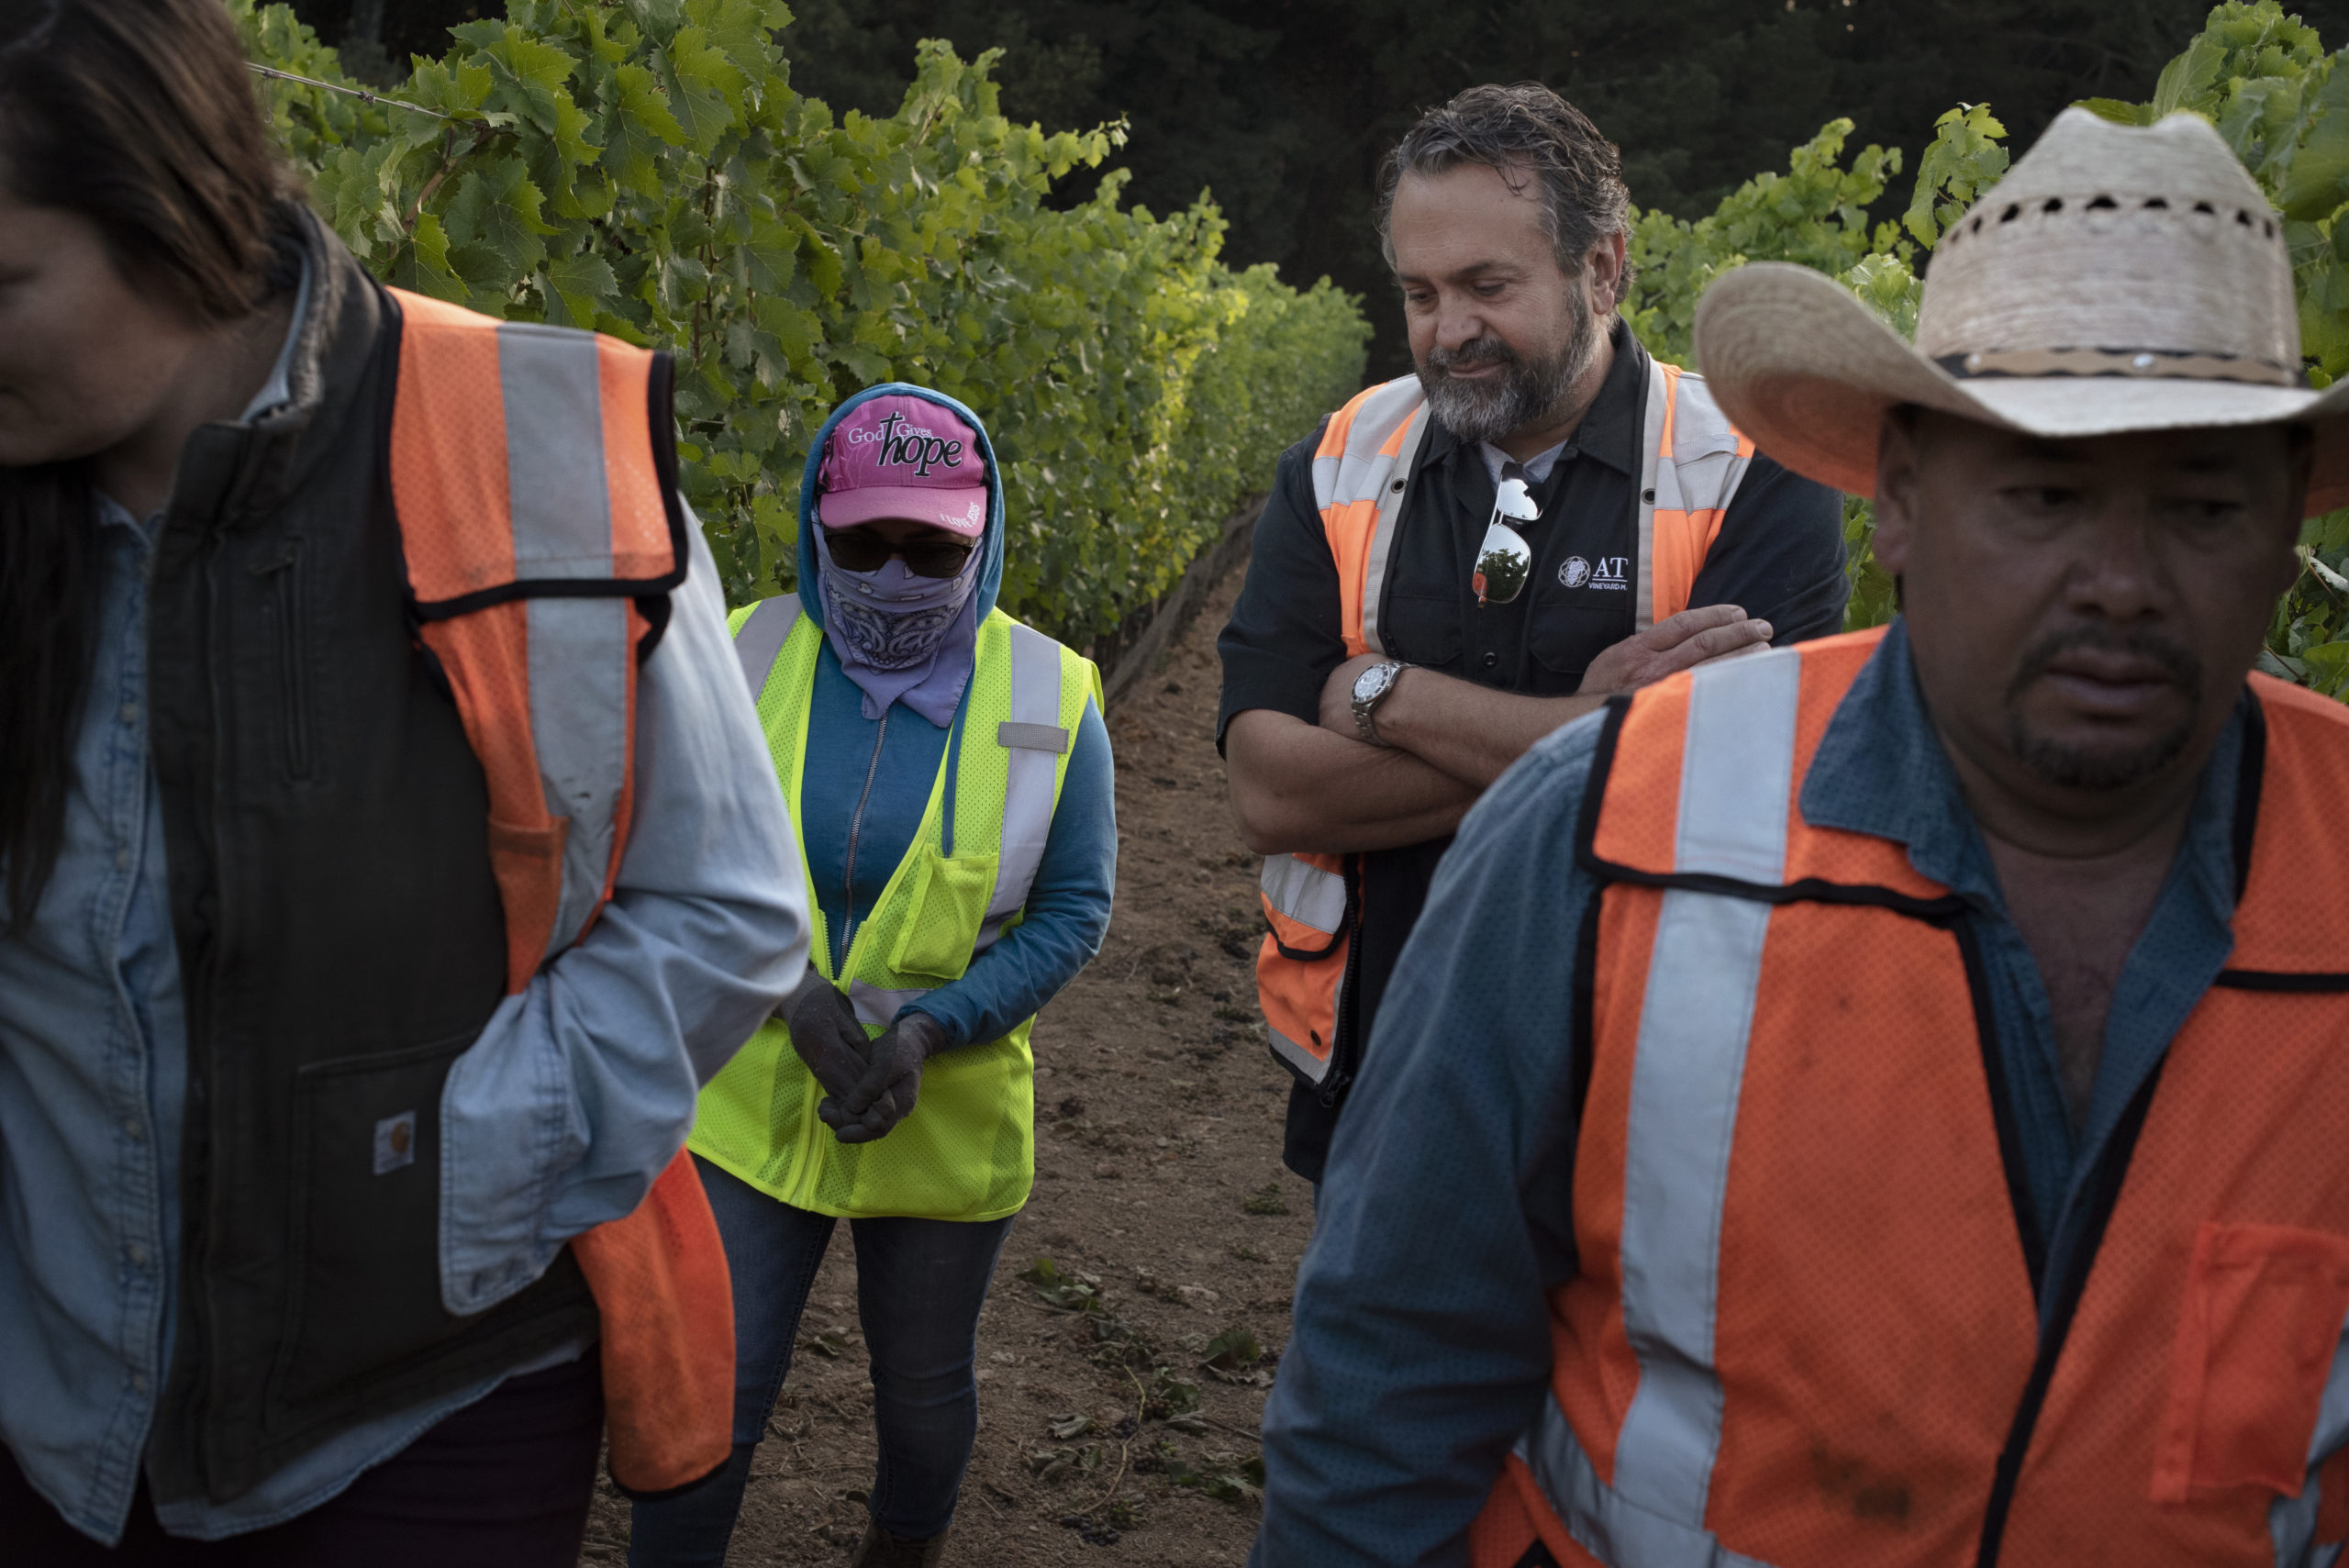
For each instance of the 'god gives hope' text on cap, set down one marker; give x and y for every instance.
(898, 456)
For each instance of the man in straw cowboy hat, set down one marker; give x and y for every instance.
(1923, 1135)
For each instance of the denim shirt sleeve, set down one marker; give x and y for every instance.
(582, 1088)
(1067, 909)
(1421, 1346)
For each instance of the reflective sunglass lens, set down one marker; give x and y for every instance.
(1503, 563)
(1515, 500)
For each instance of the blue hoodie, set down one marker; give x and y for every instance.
(852, 803)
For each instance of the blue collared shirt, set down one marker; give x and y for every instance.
(1422, 1344)
(578, 1092)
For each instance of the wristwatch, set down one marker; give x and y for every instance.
(1370, 689)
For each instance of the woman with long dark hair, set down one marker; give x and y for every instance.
(371, 912)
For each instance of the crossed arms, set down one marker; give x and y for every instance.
(1321, 787)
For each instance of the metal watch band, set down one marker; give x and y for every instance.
(1366, 709)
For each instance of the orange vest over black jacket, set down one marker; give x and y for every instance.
(1804, 1331)
(361, 868)
(1692, 462)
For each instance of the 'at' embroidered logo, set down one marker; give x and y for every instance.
(395, 1142)
(1606, 572)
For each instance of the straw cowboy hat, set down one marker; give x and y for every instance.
(2120, 278)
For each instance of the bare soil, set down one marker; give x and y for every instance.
(1117, 1407)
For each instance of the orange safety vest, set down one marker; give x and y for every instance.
(1361, 475)
(542, 535)
(1806, 1328)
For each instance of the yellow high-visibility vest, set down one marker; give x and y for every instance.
(968, 1149)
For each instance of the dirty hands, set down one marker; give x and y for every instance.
(1688, 638)
(885, 1094)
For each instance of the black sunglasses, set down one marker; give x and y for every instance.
(861, 550)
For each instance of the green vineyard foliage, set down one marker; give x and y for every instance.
(2259, 75)
(644, 168)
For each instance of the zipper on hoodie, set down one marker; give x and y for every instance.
(812, 1131)
(855, 828)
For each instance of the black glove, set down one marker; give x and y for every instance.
(826, 1034)
(885, 1094)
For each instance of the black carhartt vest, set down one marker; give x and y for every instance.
(340, 935)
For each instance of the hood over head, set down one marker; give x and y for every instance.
(811, 594)
(901, 638)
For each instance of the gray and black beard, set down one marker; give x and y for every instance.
(2080, 767)
(1527, 394)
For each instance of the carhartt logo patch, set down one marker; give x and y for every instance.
(395, 1142)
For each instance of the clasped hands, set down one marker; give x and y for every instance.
(870, 1085)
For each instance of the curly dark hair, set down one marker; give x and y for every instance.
(1522, 131)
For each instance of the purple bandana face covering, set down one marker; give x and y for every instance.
(902, 637)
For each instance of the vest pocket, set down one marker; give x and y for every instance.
(365, 1286)
(942, 912)
(2256, 1336)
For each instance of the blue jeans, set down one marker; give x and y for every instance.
(920, 1285)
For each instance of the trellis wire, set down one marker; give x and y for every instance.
(359, 92)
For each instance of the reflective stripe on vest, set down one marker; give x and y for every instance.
(1687, 477)
(1033, 787)
(1302, 961)
(1805, 1327)
(1602, 1519)
(760, 641)
(966, 1151)
(1361, 471)
(523, 469)
(529, 472)
(1736, 778)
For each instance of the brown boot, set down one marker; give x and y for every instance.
(880, 1549)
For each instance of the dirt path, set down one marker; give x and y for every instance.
(1103, 1434)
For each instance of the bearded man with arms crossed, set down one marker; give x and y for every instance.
(1460, 560)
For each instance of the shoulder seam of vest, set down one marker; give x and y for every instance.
(2280, 980)
(1941, 911)
(550, 588)
(1944, 910)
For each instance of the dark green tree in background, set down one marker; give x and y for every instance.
(1284, 107)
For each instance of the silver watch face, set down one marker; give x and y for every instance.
(1372, 683)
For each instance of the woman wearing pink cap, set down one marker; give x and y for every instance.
(950, 777)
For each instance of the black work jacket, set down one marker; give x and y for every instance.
(1779, 554)
(340, 933)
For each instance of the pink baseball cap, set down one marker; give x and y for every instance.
(899, 456)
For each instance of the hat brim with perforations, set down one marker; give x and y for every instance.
(2118, 279)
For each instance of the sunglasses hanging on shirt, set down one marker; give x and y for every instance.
(860, 550)
(1505, 561)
